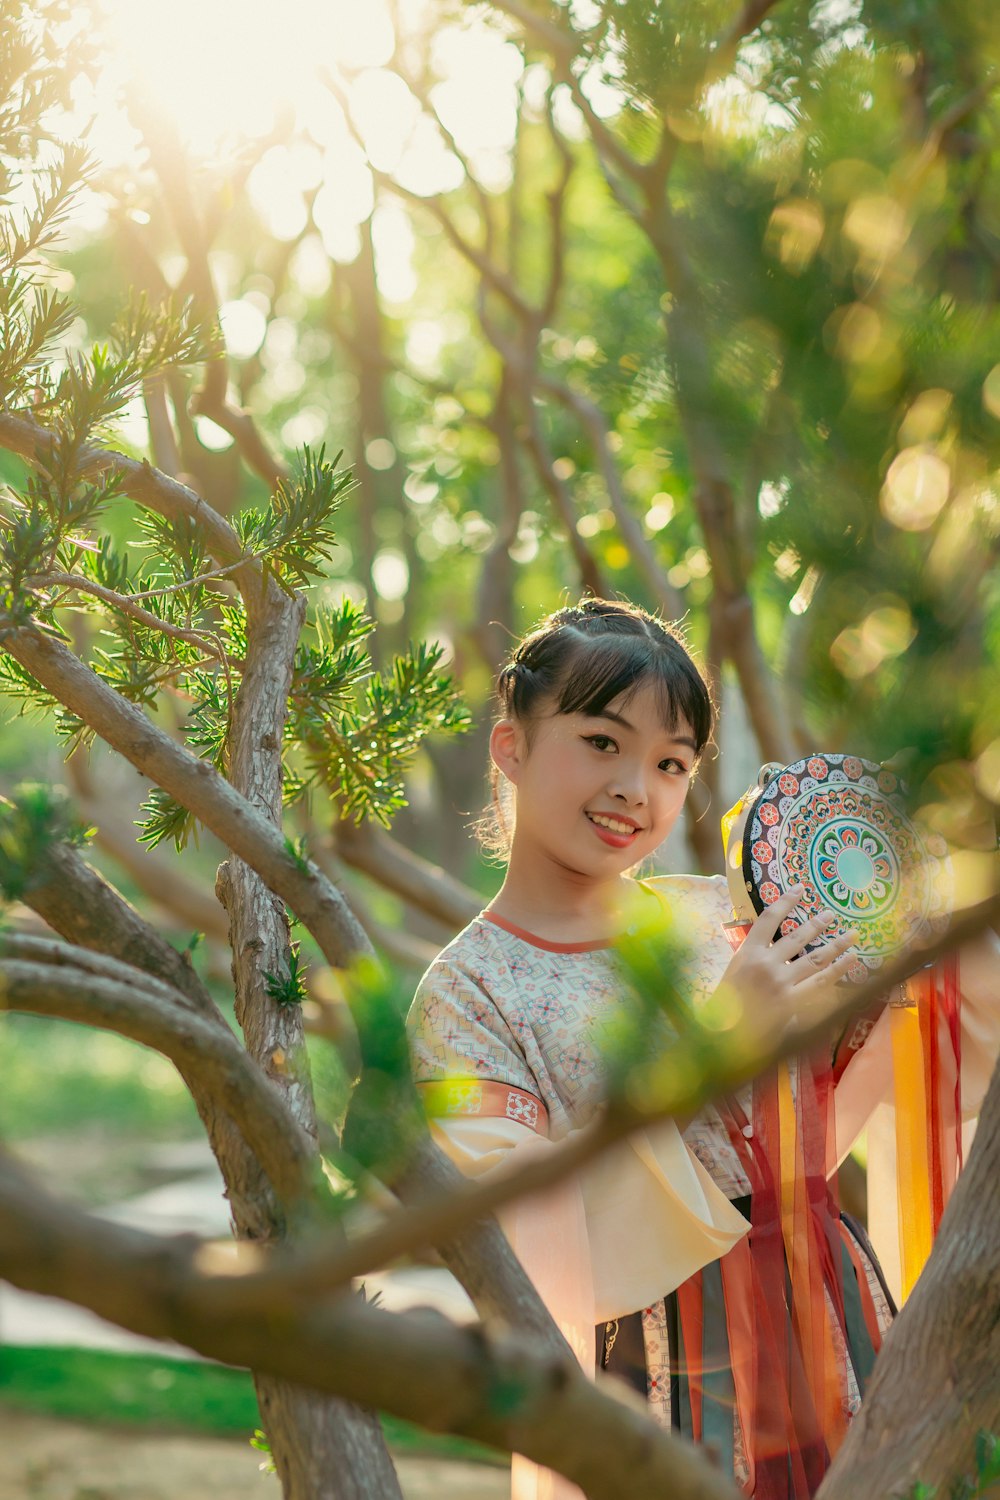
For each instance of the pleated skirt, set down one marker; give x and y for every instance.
(702, 1361)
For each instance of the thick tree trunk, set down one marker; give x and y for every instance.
(943, 1350)
(323, 1449)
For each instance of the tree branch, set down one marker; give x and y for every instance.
(104, 993)
(211, 799)
(125, 605)
(739, 1056)
(158, 875)
(723, 54)
(499, 1389)
(395, 942)
(420, 92)
(197, 786)
(242, 428)
(141, 482)
(88, 912)
(661, 590)
(562, 503)
(560, 41)
(491, 273)
(426, 886)
(163, 439)
(556, 205)
(306, 1437)
(713, 495)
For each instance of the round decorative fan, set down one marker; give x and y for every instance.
(837, 825)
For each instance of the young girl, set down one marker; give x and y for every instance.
(603, 716)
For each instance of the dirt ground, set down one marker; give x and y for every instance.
(47, 1460)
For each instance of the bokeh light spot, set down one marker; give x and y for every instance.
(916, 489)
(991, 392)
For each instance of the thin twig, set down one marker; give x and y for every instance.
(124, 603)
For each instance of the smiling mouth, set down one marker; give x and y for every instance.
(620, 826)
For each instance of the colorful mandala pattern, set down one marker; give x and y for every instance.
(836, 825)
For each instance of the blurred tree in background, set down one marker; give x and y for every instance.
(695, 303)
(708, 322)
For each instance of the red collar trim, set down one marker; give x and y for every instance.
(538, 942)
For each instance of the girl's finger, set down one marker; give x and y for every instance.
(824, 978)
(767, 924)
(808, 932)
(822, 957)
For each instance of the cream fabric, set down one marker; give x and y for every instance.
(631, 1226)
(651, 1214)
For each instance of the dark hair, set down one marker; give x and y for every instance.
(585, 656)
(581, 658)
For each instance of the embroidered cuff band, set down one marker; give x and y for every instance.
(471, 1096)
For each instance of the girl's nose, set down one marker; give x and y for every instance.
(629, 788)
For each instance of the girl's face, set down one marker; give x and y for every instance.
(595, 795)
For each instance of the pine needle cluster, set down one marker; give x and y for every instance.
(166, 621)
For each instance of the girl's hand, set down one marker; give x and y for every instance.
(775, 980)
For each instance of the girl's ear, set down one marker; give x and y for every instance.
(507, 748)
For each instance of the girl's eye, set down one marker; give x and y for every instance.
(602, 742)
(675, 767)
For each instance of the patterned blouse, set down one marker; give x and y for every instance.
(503, 1006)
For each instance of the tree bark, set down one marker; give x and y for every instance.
(948, 1338)
(420, 882)
(253, 835)
(323, 1449)
(501, 1389)
(88, 912)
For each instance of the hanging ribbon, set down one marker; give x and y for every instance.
(926, 1060)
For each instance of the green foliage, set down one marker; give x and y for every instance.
(665, 46)
(288, 988)
(976, 1486)
(177, 549)
(165, 819)
(210, 719)
(657, 1050)
(260, 1444)
(329, 668)
(37, 819)
(362, 753)
(295, 533)
(385, 1118)
(34, 320)
(296, 849)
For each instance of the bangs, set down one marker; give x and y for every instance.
(606, 668)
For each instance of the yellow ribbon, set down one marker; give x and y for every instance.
(912, 1169)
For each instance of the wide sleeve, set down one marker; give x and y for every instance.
(653, 1214)
(457, 1031)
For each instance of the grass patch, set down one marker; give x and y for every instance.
(59, 1076)
(147, 1390)
(142, 1389)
